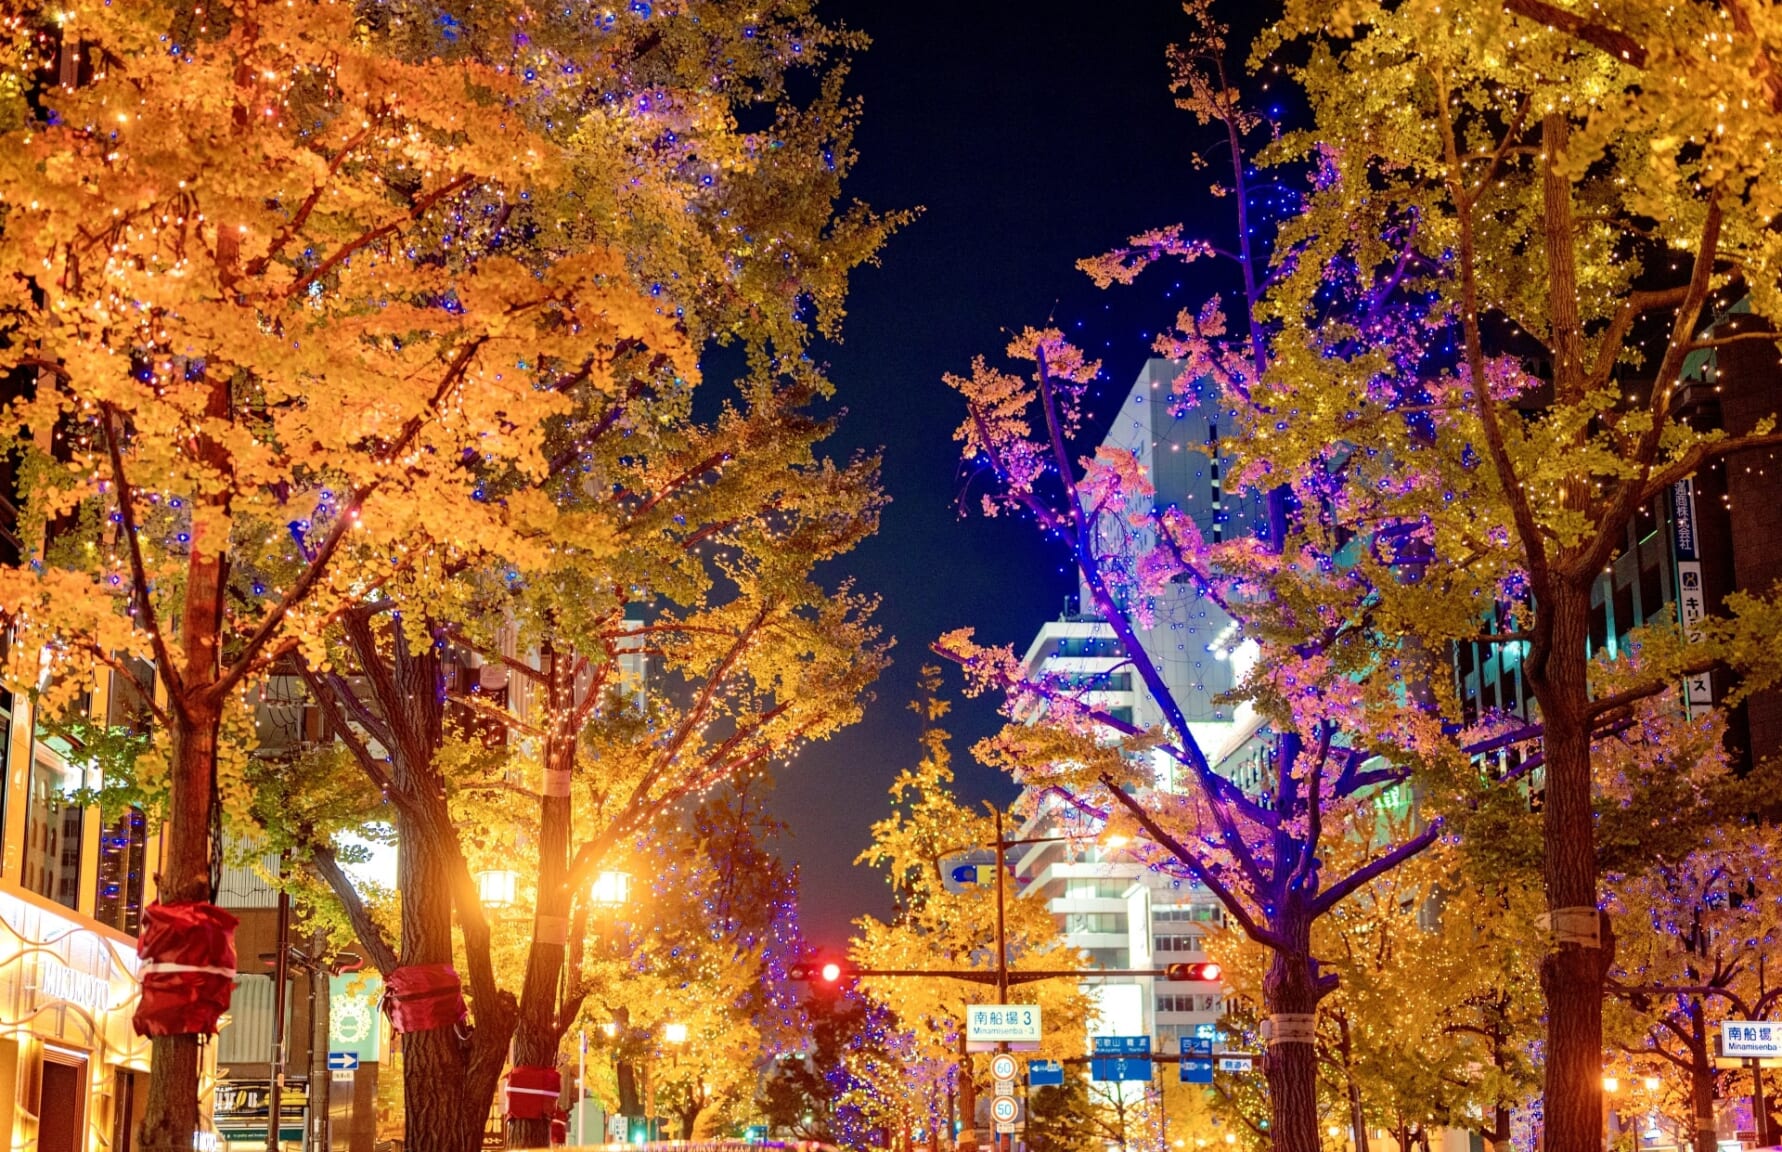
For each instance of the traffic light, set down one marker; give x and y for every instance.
(1206, 972)
(818, 971)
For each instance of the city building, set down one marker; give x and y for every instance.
(73, 885)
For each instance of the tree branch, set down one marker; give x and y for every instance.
(1380, 865)
(114, 430)
(378, 949)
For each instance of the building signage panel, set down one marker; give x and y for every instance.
(1017, 1025)
(353, 1019)
(1750, 1039)
(57, 981)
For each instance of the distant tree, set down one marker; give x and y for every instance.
(934, 928)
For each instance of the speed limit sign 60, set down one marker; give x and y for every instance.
(1002, 1066)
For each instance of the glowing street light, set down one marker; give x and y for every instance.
(674, 1033)
(611, 889)
(497, 888)
(1611, 1084)
(1651, 1083)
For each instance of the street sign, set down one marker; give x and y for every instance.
(1005, 1088)
(1043, 1072)
(987, 1025)
(343, 1061)
(342, 1077)
(962, 873)
(1234, 1063)
(1003, 1109)
(1008, 1127)
(1750, 1039)
(1197, 1061)
(1002, 1067)
(1121, 1058)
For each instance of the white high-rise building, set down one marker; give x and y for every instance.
(1119, 912)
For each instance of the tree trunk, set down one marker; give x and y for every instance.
(1290, 987)
(170, 1113)
(1701, 1080)
(538, 1033)
(1571, 974)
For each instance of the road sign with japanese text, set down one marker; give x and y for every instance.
(1121, 1058)
(987, 1025)
(1197, 1060)
(1750, 1039)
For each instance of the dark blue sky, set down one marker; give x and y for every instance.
(1030, 140)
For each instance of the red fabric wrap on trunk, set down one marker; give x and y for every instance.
(188, 969)
(531, 1092)
(423, 997)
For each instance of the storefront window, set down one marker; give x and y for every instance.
(123, 850)
(52, 831)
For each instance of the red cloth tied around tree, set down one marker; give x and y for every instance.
(422, 997)
(188, 969)
(531, 1092)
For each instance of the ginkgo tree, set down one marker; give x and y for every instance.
(243, 347)
(1572, 194)
(934, 928)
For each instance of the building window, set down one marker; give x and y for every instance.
(1079, 889)
(123, 852)
(1187, 914)
(1175, 944)
(1095, 922)
(53, 831)
(1106, 957)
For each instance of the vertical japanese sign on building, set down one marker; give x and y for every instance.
(1692, 605)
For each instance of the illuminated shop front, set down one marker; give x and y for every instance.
(73, 884)
(73, 1072)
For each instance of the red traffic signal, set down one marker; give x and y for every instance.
(1206, 972)
(822, 971)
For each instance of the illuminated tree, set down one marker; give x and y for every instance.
(935, 928)
(1570, 193)
(238, 261)
(1696, 908)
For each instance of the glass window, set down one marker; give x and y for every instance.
(1088, 889)
(123, 850)
(52, 830)
(1095, 922)
(1175, 944)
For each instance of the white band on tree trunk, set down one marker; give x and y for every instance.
(1290, 1028)
(552, 929)
(1581, 924)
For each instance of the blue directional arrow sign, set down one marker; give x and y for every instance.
(1121, 1058)
(1197, 1061)
(343, 1061)
(1043, 1072)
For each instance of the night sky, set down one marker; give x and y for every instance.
(1029, 140)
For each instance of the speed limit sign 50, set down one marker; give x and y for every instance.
(1003, 1109)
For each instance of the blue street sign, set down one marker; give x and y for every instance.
(962, 873)
(343, 1061)
(1121, 1058)
(1197, 1060)
(1043, 1072)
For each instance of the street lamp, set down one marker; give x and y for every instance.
(674, 1033)
(612, 889)
(1651, 1083)
(497, 887)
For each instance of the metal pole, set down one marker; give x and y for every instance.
(1002, 962)
(581, 1090)
(281, 964)
(1761, 1113)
